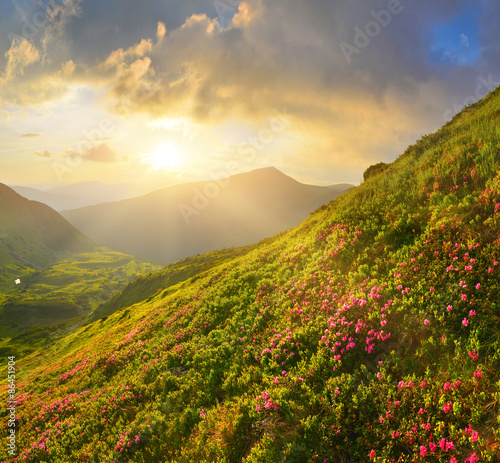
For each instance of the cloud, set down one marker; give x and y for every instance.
(58, 16)
(118, 57)
(68, 68)
(44, 154)
(161, 30)
(101, 153)
(272, 54)
(31, 135)
(281, 53)
(21, 54)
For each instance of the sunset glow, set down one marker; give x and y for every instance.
(167, 156)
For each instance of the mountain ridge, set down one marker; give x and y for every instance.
(188, 219)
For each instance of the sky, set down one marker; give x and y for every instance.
(161, 92)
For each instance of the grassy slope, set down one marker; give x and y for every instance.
(84, 281)
(147, 286)
(372, 331)
(63, 294)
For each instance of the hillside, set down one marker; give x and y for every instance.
(70, 289)
(185, 220)
(147, 286)
(371, 332)
(32, 237)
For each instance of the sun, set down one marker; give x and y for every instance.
(167, 156)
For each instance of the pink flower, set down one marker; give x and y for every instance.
(463, 297)
(478, 373)
(472, 459)
(432, 446)
(450, 445)
(473, 355)
(447, 386)
(372, 454)
(395, 434)
(465, 322)
(275, 380)
(453, 460)
(472, 313)
(449, 308)
(421, 411)
(447, 406)
(474, 436)
(401, 384)
(426, 322)
(423, 450)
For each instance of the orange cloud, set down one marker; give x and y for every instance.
(21, 54)
(161, 31)
(101, 153)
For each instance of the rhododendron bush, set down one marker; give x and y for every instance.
(369, 333)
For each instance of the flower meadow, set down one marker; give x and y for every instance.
(369, 333)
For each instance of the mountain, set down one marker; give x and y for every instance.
(57, 202)
(195, 218)
(97, 192)
(33, 236)
(368, 333)
(49, 271)
(80, 194)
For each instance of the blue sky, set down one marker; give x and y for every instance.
(457, 41)
(163, 91)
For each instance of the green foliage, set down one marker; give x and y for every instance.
(58, 298)
(147, 286)
(374, 170)
(370, 332)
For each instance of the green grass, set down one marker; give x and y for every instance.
(147, 286)
(68, 290)
(371, 332)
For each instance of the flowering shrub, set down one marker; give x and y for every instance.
(369, 333)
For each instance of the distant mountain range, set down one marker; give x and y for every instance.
(195, 218)
(79, 194)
